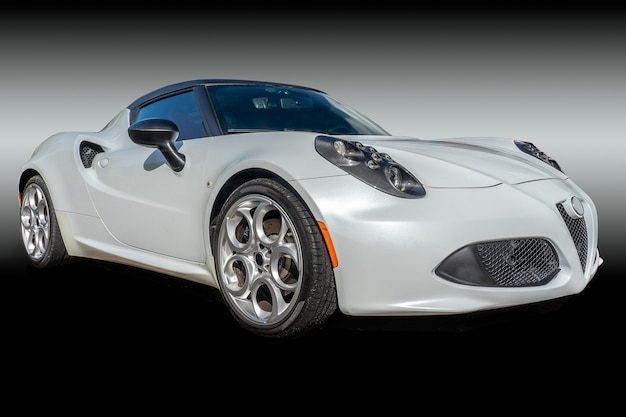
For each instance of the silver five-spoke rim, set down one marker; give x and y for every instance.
(35, 221)
(260, 260)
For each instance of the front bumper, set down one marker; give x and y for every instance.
(389, 248)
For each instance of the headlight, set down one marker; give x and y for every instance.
(376, 169)
(531, 149)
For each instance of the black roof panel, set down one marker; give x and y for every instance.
(192, 83)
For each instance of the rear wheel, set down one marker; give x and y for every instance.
(272, 264)
(40, 230)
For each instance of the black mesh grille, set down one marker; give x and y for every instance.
(578, 230)
(519, 262)
(88, 151)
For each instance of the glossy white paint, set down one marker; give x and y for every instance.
(132, 208)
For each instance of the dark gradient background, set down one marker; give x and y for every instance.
(557, 79)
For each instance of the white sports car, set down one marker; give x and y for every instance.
(296, 207)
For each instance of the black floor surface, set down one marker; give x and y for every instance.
(120, 319)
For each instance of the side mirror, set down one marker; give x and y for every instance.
(160, 134)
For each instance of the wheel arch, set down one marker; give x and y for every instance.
(24, 177)
(245, 175)
(230, 185)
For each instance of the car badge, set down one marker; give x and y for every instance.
(574, 207)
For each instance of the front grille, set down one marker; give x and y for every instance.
(88, 152)
(519, 262)
(578, 230)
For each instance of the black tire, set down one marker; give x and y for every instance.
(40, 230)
(273, 267)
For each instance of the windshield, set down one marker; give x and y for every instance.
(247, 108)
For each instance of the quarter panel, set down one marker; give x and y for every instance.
(57, 161)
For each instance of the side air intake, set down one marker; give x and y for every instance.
(88, 152)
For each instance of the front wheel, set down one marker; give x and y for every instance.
(273, 268)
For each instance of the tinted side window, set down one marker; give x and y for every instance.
(182, 109)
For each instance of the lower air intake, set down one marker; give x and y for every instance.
(519, 262)
(524, 262)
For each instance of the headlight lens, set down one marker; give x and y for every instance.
(531, 149)
(351, 154)
(374, 168)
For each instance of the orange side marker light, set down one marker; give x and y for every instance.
(329, 244)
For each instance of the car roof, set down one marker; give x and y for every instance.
(171, 88)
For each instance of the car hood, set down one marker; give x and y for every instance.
(465, 162)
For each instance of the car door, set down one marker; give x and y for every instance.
(142, 201)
